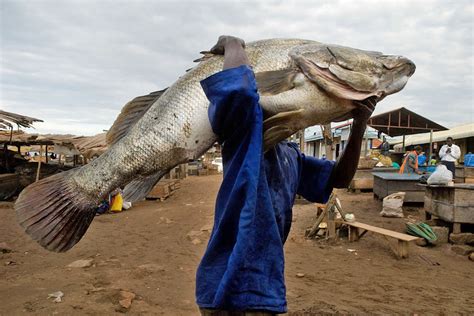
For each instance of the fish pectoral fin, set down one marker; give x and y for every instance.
(329, 82)
(275, 82)
(130, 114)
(282, 118)
(280, 126)
(139, 188)
(274, 135)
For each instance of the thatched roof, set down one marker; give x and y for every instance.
(91, 145)
(7, 119)
(88, 146)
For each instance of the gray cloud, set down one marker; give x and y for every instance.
(75, 63)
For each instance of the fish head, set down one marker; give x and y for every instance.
(353, 74)
(322, 85)
(397, 71)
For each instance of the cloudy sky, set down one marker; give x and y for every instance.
(74, 64)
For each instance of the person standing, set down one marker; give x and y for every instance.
(385, 147)
(242, 270)
(449, 153)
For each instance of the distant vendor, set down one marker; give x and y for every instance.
(410, 163)
(385, 147)
(449, 153)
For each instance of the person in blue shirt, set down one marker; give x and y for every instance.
(242, 270)
(421, 159)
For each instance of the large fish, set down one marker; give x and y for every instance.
(301, 83)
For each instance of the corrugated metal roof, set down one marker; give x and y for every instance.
(403, 122)
(458, 132)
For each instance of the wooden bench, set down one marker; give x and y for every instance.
(357, 230)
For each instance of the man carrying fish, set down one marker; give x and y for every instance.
(242, 271)
(300, 83)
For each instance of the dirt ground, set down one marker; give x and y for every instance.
(146, 251)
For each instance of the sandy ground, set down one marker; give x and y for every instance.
(146, 251)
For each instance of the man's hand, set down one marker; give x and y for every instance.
(233, 50)
(346, 165)
(226, 41)
(364, 109)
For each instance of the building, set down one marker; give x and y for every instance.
(315, 145)
(463, 136)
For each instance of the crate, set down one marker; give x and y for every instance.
(164, 189)
(203, 172)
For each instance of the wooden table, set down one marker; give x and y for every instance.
(453, 204)
(464, 174)
(364, 180)
(386, 183)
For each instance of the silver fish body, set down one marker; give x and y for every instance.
(301, 83)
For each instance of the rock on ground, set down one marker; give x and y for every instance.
(151, 267)
(4, 248)
(462, 250)
(193, 234)
(82, 263)
(196, 241)
(442, 233)
(462, 238)
(126, 298)
(421, 242)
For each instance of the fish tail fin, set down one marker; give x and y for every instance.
(138, 189)
(55, 212)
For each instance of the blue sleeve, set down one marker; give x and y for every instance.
(314, 180)
(233, 97)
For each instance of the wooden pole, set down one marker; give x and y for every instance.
(39, 163)
(366, 143)
(403, 145)
(46, 154)
(327, 134)
(431, 146)
(302, 144)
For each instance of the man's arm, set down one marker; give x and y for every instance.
(233, 50)
(456, 152)
(232, 93)
(346, 165)
(442, 151)
(412, 164)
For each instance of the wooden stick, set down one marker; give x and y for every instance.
(339, 208)
(315, 227)
(39, 163)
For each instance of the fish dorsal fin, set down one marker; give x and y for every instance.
(130, 114)
(275, 82)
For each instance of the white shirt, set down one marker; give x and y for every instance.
(453, 155)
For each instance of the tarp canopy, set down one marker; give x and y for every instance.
(403, 122)
(458, 132)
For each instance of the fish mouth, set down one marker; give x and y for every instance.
(401, 72)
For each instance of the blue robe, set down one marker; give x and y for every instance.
(243, 266)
